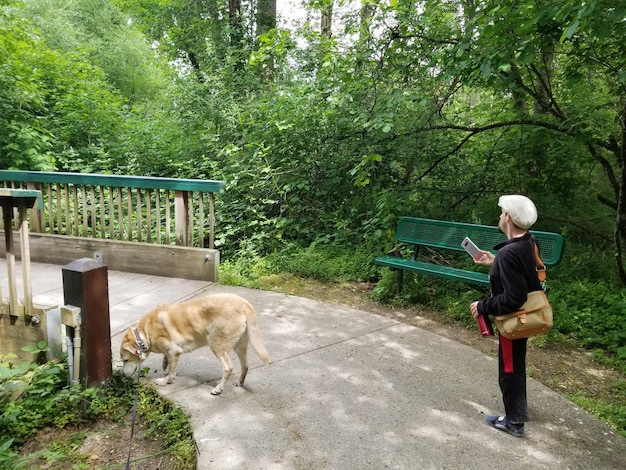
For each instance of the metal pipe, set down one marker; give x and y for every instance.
(77, 346)
(70, 359)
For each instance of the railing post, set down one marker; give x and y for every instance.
(211, 221)
(25, 252)
(36, 213)
(8, 233)
(85, 285)
(181, 208)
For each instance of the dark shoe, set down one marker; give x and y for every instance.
(503, 424)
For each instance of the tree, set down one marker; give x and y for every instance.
(54, 105)
(326, 24)
(558, 71)
(550, 54)
(265, 17)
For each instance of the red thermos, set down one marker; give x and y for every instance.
(484, 325)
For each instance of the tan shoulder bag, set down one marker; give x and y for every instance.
(534, 317)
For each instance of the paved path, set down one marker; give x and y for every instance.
(347, 389)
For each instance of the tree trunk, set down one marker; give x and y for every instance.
(235, 22)
(366, 13)
(620, 222)
(265, 17)
(327, 19)
(236, 30)
(265, 22)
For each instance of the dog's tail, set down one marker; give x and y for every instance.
(254, 336)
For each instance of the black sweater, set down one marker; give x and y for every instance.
(513, 275)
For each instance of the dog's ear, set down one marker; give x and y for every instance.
(132, 348)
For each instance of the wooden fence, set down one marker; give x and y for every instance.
(162, 226)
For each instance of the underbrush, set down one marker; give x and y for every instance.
(319, 262)
(37, 396)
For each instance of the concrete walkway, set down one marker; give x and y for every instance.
(347, 389)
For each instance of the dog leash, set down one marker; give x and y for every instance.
(141, 347)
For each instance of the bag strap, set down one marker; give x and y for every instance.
(541, 268)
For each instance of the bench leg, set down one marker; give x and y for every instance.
(399, 281)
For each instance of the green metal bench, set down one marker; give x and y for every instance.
(440, 234)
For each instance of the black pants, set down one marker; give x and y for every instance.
(512, 378)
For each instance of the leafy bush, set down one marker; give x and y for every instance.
(246, 269)
(593, 313)
(34, 396)
(325, 263)
(318, 261)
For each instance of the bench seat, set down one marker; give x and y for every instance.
(436, 270)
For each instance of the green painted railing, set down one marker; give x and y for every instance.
(124, 208)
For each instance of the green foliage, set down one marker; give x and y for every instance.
(24, 141)
(246, 269)
(101, 35)
(593, 313)
(605, 410)
(325, 263)
(320, 262)
(347, 137)
(33, 397)
(69, 86)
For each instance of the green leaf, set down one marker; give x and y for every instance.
(5, 445)
(569, 32)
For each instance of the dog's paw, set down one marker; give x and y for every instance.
(162, 381)
(216, 391)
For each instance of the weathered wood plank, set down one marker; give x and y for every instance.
(145, 258)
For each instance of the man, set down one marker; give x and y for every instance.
(513, 275)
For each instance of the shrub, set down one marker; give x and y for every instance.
(34, 396)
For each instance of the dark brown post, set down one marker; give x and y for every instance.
(85, 285)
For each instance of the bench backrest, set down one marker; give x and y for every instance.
(449, 235)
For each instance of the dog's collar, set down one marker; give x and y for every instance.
(141, 346)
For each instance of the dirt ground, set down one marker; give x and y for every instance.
(564, 369)
(100, 445)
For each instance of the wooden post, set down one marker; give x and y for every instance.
(36, 213)
(25, 324)
(85, 285)
(25, 252)
(8, 234)
(181, 206)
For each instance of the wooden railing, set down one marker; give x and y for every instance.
(123, 208)
(161, 226)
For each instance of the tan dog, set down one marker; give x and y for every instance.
(221, 321)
